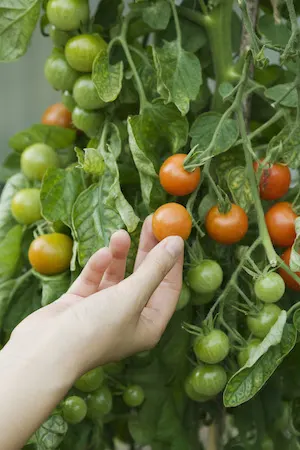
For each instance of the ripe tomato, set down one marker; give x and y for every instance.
(36, 159)
(81, 51)
(246, 352)
(68, 15)
(184, 298)
(175, 179)
(99, 403)
(58, 72)
(269, 288)
(85, 94)
(206, 277)
(134, 396)
(26, 206)
(227, 228)
(171, 219)
(192, 394)
(275, 181)
(208, 380)
(289, 281)
(261, 323)
(57, 115)
(212, 348)
(90, 381)
(280, 220)
(74, 410)
(50, 254)
(89, 122)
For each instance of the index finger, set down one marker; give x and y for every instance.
(147, 242)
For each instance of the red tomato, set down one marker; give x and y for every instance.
(227, 228)
(171, 219)
(58, 115)
(275, 181)
(280, 220)
(289, 281)
(175, 179)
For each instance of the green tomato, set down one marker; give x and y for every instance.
(68, 100)
(269, 288)
(202, 299)
(74, 410)
(85, 94)
(59, 37)
(246, 352)
(212, 348)
(68, 15)
(82, 50)
(99, 403)
(36, 159)
(206, 277)
(267, 444)
(58, 72)
(261, 323)
(90, 381)
(184, 298)
(134, 396)
(114, 368)
(192, 394)
(89, 122)
(26, 206)
(208, 380)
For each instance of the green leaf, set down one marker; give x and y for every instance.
(90, 161)
(193, 36)
(17, 23)
(296, 319)
(226, 89)
(6, 289)
(179, 75)
(9, 167)
(289, 141)
(107, 77)
(59, 191)
(157, 15)
(295, 256)
(107, 12)
(249, 380)
(239, 186)
(207, 202)
(10, 252)
(53, 287)
(51, 434)
(276, 33)
(94, 220)
(275, 93)
(56, 137)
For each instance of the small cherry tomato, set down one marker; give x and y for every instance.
(68, 15)
(202, 299)
(280, 220)
(289, 281)
(246, 352)
(192, 394)
(184, 297)
(68, 101)
(57, 115)
(269, 288)
(99, 403)
(90, 381)
(51, 254)
(227, 228)
(175, 179)
(89, 122)
(206, 277)
(74, 410)
(58, 73)
(261, 323)
(82, 50)
(275, 181)
(36, 159)
(85, 94)
(211, 348)
(59, 37)
(208, 380)
(134, 396)
(26, 206)
(171, 219)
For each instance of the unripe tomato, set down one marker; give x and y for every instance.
(280, 220)
(36, 159)
(85, 94)
(261, 323)
(82, 50)
(58, 72)
(68, 15)
(26, 206)
(90, 381)
(51, 254)
(275, 181)
(99, 403)
(289, 281)
(68, 101)
(208, 380)
(184, 297)
(192, 394)
(89, 122)
(211, 348)
(74, 410)
(59, 37)
(246, 352)
(171, 219)
(206, 277)
(134, 396)
(269, 288)
(175, 179)
(202, 299)
(227, 228)
(57, 115)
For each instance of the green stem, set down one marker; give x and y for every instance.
(140, 54)
(193, 16)
(177, 24)
(263, 127)
(203, 7)
(293, 308)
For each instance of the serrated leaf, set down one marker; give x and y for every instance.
(10, 252)
(90, 161)
(53, 287)
(179, 75)
(157, 15)
(107, 77)
(289, 140)
(239, 186)
(275, 93)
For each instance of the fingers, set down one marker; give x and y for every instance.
(119, 247)
(88, 281)
(147, 242)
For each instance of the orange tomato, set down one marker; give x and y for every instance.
(289, 281)
(280, 220)
(227, 228)
(275, 181)
(51, 254)
(58, 115)
(171, 219)
(175, 179)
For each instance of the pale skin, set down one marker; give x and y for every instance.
(102, 318)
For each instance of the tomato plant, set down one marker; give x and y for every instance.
(99, 403)
(87, 121)
(280, 220)
(206, 277)
(175, 179)
(133, 396)
(274, 182)
(26, 206)
(269, 288)
(57, 115)
(58, 73)
(82, 50)
(247, 351)
(36, 159)
(91, 380)
(261, 323)
(171, 219)
(184, 298)
(289, 281)
(212, 348)
(229, 227)
(68, 15)
(208, 380)
(85, 94)
(74, 410)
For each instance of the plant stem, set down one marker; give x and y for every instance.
(263, 127)
(177, 24)
(193, 16)
(203, 7)
(293, 308)
(288, 269)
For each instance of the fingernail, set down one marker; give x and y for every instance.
(174, 245)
